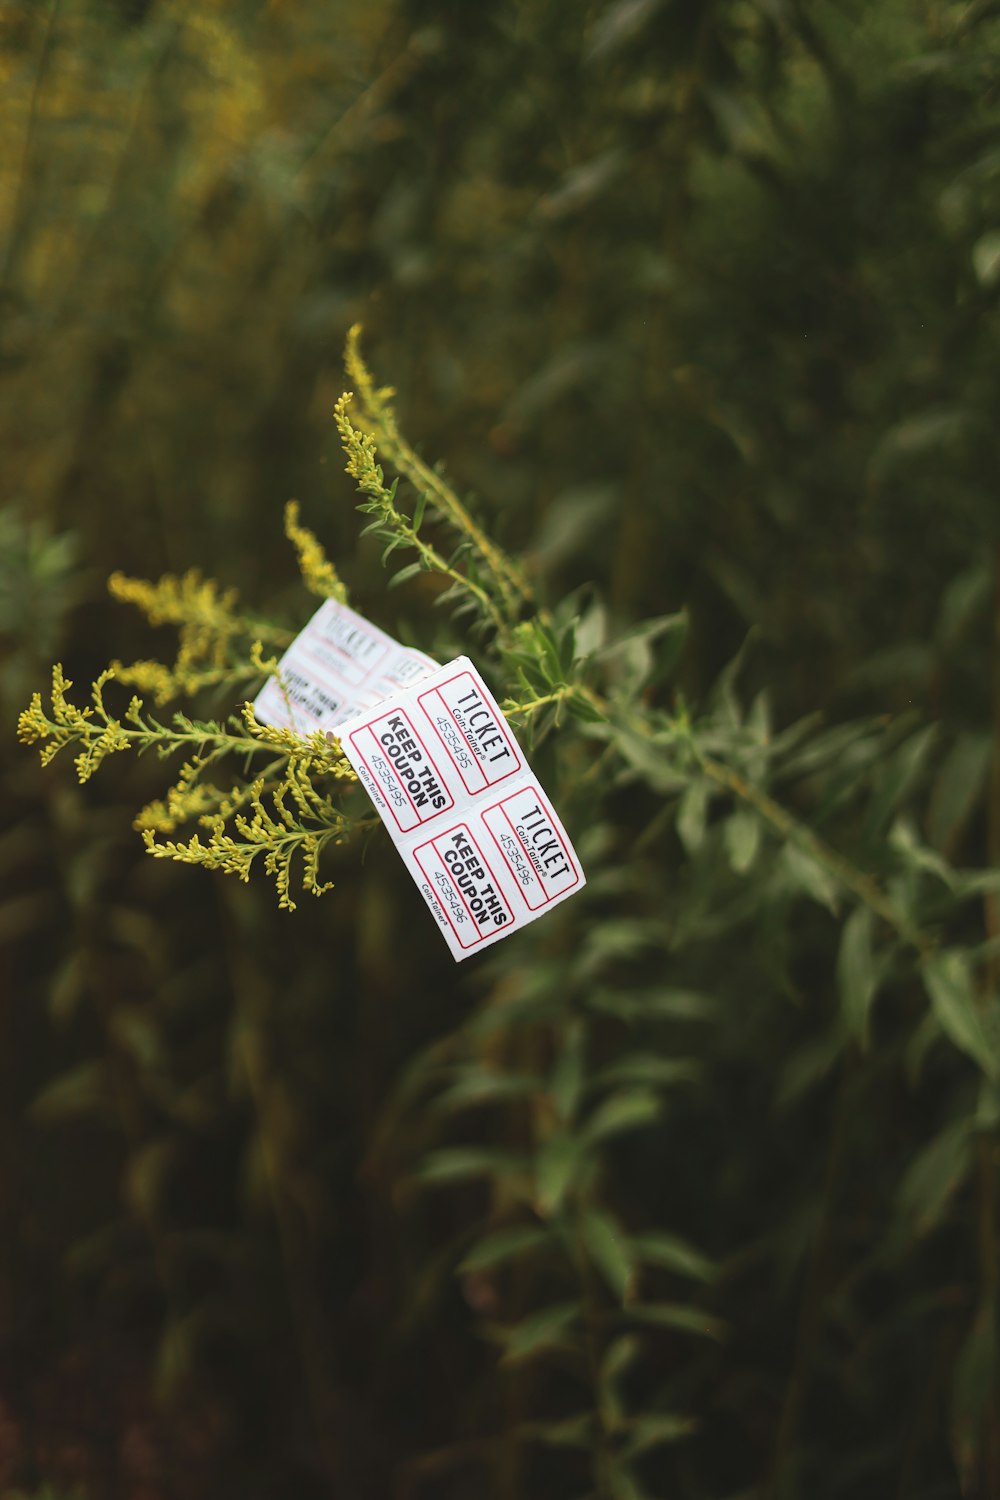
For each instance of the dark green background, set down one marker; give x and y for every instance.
(701, 302)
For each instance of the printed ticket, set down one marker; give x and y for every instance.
(469, 819)
(337, 665)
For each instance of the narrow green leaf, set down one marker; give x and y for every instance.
(692, 815)
(566, 1082)
(683, 1317)
(949, 985)
(622, 1353)
(418, 510)
(804, 873)
(934, 1176)
(856, 974)
(476, 1085)
(503, 1245)
(629, 1109)
(650, 1432)
(569, 1432)
(673, 1254)
(608, 1247)
(647, 1068)
(461, 1163)
(405, 574)
(83, 1091)
(974, 1388)
(542, 1330)
(558, 1163)
(624, 1485)
(742, 838)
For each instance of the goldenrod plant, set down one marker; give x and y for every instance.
(752, 834)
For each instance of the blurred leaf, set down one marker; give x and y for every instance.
(664, 1004)
(645, 1068)
(544, 1330)
(804, 873)
(681, 1316)
(957, 788)
(503, 1245)
(644, 1433)
(609, 1249)
(85, 1090)
(570, 1432)
(692, 814)
(949, 985)
(986, 258)
(672, 1253)
(477, 1085)
(618, 24)
(558, 1163)
(742, 837)
(975, 1386)
(566, 1081)
(856, 972)
(626, 1110)
(569, 522)
(934, 1175)
(461, 1163)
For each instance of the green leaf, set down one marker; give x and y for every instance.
(742, 839)
(503, 1245)
(975, 1385)
(692, 814)
(986, 259)
(856, 972)
(558, 1164)
(624, 1486)
(663, 1004)
(462, 1163)
(673, 1254)
(542, 1330)
(650, 757)
(652, 1431)
(85, 1090)
(569, 1432)
(622, 1352)
(935, 1175)
(647, 1068)
(632, 660)
(566, 1082)
(804, 873)
(608, 1247)
(629, 1109)
(682, 1316)
(418, 509)
(957, 788)
(477, 1085)
(897, 776)
(405, 574)
(949, 985)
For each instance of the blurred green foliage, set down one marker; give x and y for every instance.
(701, 301)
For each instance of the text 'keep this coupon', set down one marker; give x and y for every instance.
(471, 822)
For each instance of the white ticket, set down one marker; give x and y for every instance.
(469, 819)
(337, 665)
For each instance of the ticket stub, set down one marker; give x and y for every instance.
(469, 819)
(337, 665)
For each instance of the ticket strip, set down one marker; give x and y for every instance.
(442, 768)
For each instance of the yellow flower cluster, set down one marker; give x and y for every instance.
(318, 573)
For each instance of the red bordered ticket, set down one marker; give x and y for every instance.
(337, 665)
(473, 826)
